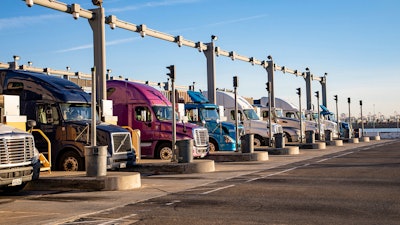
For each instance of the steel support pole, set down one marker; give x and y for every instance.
(93, 133)
(337, 117)
(361, 134)
(271, 92)
(350, 127)
(301, 119)
(270, 144)
(211, 87)
(308, 79)
(323, 85)
(174, 150)
(99, 53)
(236, 119)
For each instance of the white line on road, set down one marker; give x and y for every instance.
(322, 160)
(273, 174)
(217, 189)
(347, 153)
(118, 219)
(173, 202)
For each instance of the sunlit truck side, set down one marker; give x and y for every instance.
(222, 134)
(147, 109)
(247, 116)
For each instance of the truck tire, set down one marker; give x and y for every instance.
(257, 141)
(164, 151)
(213, 145)
(71, 161)
(287, 138)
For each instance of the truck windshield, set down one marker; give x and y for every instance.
(279, 113)
(163, 112)
(73, 112)
(209, 114)
(250, 114)
(295, 115)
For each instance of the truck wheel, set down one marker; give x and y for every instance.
(165, 151)
(257, 142)
(213, 145)
(287, 138)
(71, 161)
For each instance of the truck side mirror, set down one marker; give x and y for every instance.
(31, 123)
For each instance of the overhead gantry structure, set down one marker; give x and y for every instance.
(97, 19)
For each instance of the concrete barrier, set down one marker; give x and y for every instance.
(364, 139)
(335, 143)
(288, 150)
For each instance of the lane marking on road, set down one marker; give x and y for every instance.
(336, 156)
(217, 189)
(173, 202)
(114, 221)
(366, 148)
(347, 153)
(322, 160)
(277, 173)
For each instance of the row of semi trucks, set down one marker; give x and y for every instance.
(218, 119)
(61, 111)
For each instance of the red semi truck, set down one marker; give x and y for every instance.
(143, 107)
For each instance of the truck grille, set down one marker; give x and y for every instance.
(16, 150)
(200, 137)
(122, 143)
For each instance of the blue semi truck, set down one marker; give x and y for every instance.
(222, 134)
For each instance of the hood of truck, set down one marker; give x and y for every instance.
(166, 126)
(100, 126)
(261, 127)
(313, 125)
(5, 129)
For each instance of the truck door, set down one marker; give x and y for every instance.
(242, 120)
(142, 120)
(47, 118)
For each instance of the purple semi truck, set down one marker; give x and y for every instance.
(143, 107)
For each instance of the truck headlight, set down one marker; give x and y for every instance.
(228, 139)
(35, 157)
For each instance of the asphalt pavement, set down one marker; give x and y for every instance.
(236, 187)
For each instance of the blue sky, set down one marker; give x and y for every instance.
(355, 41)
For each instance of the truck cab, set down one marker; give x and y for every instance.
(292, 116)
(143, 107)
(19, 159)
(222, 134)
(62, 111)
(247, 117)
(290, 126)
(330, 122)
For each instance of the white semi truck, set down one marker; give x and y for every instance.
(311, 118)
(19, 159)
(247, 117)
(294, 132)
